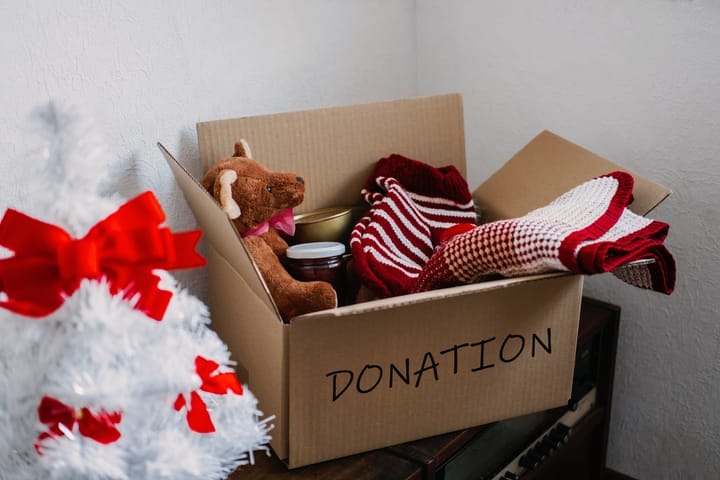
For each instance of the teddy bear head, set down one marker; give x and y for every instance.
(249, 192)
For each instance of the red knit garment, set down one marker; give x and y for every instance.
(586, 230)
(411, 205)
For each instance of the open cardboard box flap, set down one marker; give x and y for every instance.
(220, 231)
(546, 168)
(335, 149)
(290, 367)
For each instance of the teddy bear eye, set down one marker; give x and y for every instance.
(269, 188)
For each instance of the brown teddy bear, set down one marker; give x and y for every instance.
(259, 202)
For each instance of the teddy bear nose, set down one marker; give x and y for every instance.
(300, 179)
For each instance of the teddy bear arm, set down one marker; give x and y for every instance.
(276, 242)
(297, 298)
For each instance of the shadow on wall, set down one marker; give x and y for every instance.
(140, 171)
(195, 280)
(189, 153)
(128, 180)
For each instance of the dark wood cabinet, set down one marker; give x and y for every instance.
(584, 455)
(473, 452)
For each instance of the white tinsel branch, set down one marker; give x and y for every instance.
(97, 351)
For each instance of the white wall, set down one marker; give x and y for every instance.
(149, 70)
(639, 83)
(636, 81)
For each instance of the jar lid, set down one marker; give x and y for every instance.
(315, 250)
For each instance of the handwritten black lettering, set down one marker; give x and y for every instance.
(394, 374)
(405, 378)
(362, 375)
(504, 344)
(334, 375)
(482, 343)
(546, 346)
(454, 349)
(425, 367)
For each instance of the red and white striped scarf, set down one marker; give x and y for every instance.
(411, 204)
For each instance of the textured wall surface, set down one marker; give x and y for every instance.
(147, 71)
(634, 81)
(637, 82)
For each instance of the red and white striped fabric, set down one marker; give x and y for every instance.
(586, 230)
(411, 204)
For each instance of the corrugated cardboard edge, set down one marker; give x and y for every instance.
(335, 149)
(547, 167)
(321, 430)
(439, 294)
(241, 308)
(218, 228)
(257, 342)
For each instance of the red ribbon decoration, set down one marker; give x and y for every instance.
(198, 416)
(49, 264)
(97, 426)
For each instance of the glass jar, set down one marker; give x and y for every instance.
(320, 261)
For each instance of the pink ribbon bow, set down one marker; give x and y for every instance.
(285, 222)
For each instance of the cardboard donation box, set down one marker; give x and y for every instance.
(383, 372)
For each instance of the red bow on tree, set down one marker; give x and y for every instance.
(61, 420)
(198, 417)
(49, 264)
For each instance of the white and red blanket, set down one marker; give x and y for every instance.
(420, 234)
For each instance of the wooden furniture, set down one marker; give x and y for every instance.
(582, 456)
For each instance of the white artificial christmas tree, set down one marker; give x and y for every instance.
(108, 369)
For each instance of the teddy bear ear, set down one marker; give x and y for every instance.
(226, 178)
(242, 149)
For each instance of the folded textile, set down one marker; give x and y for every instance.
(411, 205)
(587, 230)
